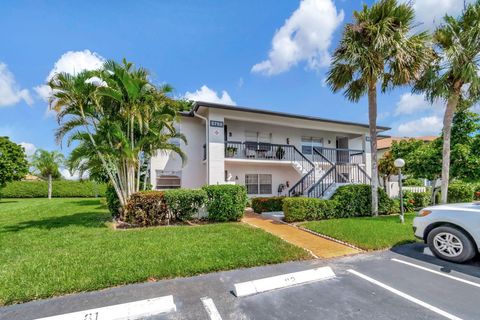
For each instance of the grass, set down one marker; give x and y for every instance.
(59, 246)
(367, 233)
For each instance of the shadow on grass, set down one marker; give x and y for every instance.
(82, 219)
(419, 251)
(86, 202)
(8, 201)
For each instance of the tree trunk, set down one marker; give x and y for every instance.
(372, 121)
(49, 186)
(447, 131)
(434, 185)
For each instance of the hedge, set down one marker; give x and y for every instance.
(60, 189)
(184, 203)
(267, 204)
(146, 208)
(301, 209)
(225, 202)
(460, 192)
(113, 203)
(356, 200)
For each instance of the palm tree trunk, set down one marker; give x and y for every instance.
(447, 132)
(49, 186)
(372, 121)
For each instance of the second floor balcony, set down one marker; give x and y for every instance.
(283, 152)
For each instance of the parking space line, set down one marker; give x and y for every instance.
(437, 272)
(125, 311)
(405, 296)
(211, 308)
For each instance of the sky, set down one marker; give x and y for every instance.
(265, 54)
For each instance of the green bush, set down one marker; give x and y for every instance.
(421, 199)
(355, 200)
(146, 208)
(301, 209)
(412, 182)
(184, 203)
(60, 189)
(269, 204)
(408, 201)
(460, 192)
(476, 192)
(113, 203)
(225, 202)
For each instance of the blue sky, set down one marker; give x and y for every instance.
(267, 54)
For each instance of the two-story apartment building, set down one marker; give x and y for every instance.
(271, 153)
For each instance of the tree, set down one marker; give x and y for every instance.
(386, 168)
(47, 164)
(118, 118)
(453, 75)
(378, 49)
(13, 162)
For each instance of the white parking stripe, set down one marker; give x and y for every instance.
(125, 311)
(211, 308)
(405, 296)
(437, 272)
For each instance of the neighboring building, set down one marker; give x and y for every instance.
(31, 177)
(271, 153)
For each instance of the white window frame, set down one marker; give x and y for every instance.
(173, 174)
(258, 182)
(310, 142)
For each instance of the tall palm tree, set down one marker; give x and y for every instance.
(118, 117)
(378, 49)
(453, 75)
(47, 164)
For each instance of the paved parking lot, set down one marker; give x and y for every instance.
(414, 285)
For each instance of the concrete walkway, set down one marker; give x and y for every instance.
(318, 246)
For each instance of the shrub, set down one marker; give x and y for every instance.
(61, 189)
(460, 192)
(301, 209)
(355, 200)
(184, 203)
(408, 201)
(421, 199)
(269, 204)
(225, 202)
(413, 182)
(146, 208)
(113, 203)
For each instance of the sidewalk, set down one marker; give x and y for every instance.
(318, 246)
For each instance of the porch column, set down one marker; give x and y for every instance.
(216, 150)
(368, 153)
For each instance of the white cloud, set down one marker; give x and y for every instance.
(430, 13)
(305, 36)
(71, 62)
(208, 95)
(10, 93)
(410, 103)
(431, 125)
(30, 148)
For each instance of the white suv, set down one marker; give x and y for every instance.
(451, 231)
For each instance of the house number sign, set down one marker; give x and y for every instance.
(217, 124)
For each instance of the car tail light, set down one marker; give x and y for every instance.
(424, 213)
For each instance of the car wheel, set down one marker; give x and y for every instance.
(450, 244)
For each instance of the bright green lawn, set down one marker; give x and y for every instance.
(367, 232)
(58, 246)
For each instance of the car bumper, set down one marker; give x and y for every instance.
(419, 225)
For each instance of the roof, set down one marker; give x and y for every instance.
(199, 104)
(386, 143)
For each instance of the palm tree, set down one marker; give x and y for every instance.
(377, 49)
(47, 164)
(453, 75)
(118, 117)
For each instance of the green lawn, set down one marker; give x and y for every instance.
(58, 246)
(367, 232)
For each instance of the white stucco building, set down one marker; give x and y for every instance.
(271, 153)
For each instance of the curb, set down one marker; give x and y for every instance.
(329, 238)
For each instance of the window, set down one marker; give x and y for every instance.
(259, 137)
(308, 143)
(168, 179)
(258, 183)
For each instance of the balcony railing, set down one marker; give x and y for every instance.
(338, 156)
(261, 151)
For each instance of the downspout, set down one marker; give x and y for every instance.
(207, 143)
